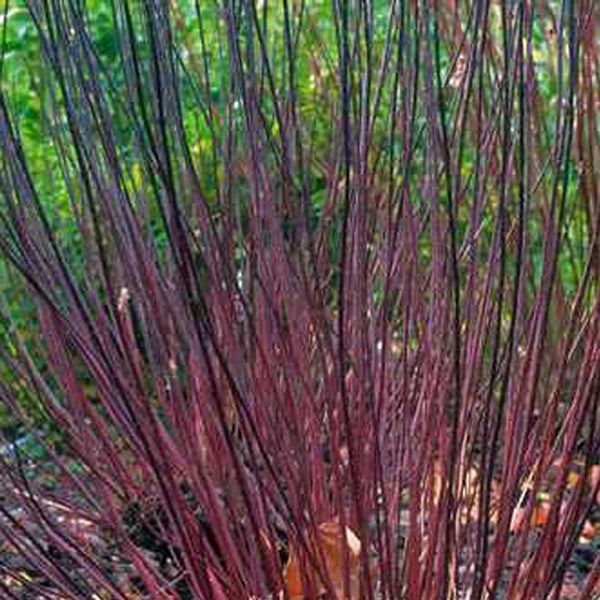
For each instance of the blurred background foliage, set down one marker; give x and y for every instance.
(208, 101)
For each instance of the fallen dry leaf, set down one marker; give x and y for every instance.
(539, 516)
(330, 540)
(593, 479)
(589, 531)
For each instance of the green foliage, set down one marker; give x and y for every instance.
(199, 26)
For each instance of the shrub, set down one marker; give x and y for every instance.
(316, 303)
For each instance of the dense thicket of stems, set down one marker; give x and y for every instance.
(325, 263)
